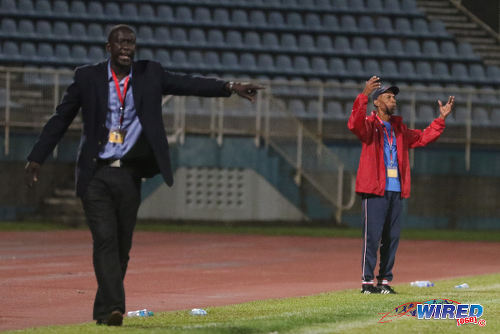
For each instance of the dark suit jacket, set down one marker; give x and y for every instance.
(89, 92)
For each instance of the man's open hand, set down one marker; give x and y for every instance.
(445, 110)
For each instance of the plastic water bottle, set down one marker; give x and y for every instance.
(198, 311)
(140, 313)
(422, 284)
(462, 286)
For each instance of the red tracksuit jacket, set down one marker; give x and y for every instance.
(371, 171)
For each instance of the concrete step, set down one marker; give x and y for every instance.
(448, 18)
(467, 32)
(432, 4)
(480, 41)
(441, 11)
(464, 25)
(64, 193)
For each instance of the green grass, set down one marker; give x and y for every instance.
(271, 230)
(337, 312)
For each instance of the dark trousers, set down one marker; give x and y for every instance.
(111, 203)
(381, 226)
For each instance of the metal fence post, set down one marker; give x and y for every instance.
(340, 193)
(267, 118)
(468, 132)
(258, 119)
(298, 175)
(7, 113)
(221, 122)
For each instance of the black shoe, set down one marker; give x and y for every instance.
(101, 322)
(115, 318)
(369, 289)
(386, 289)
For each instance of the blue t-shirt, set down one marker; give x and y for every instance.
(391, 183)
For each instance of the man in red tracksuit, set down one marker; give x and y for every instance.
(383, 178)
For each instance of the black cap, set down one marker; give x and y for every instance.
(384, 89)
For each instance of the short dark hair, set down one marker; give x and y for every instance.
(118, 27)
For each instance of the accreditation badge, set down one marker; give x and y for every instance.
(392, 172)
(116, 136)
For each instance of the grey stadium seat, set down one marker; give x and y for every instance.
(10, 50)
(221, 16)
(252, 39)
(306, 42)
(197, 37)
(284, 63)
(324, 43)
(145, 34)
(62, 53)
(359, 45)
(407, 69)
(183, 14)
(61, 30)
(164, 13)
(146, 12)
(275, 19)
(288, 41)
(230, 60)
(215, 37)
(61, 8)
(372, 67)
(258, 18)
(234, 38)
(377, 46)
(270, 41)
(412, 47)
(195, 58)
(247, 61)
(265, 62)
(96, 54)
(179, 58)
(202, 15)
(95, 9)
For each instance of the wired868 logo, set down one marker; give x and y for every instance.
(438, 309)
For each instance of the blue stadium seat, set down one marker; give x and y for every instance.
(339, 4)
(366, 24)
(377, 46)
(230, 60)
(79, 54)
(46, 52)
(162, 34)
(403, 26)
(407, 69)
(324, 43)
(480, 117)
(164, 13)
(212, 59)
(395, 46)
(392, 6)
(95, 9)
(179, 58)
(425, 114)
(420, 27)
(465, 50)
(215, 37)
(493, 72)
(61, 30)
(252, 39)
(306, 42)
(374, 6)
(354, 67)
(312, 20)
(265, 62)
(129, 11)
(275, 19)
(43, 7)
(146, 12)
(179, 36)
(384, 25)
(270, 41)
(145, 53)
(10, 50)
(247, 61)
(60, 8)
(9, 6)
(412, 47)
(25, 6)
(288, 41)
(62, 53)
(437, 28)
(318, 65)
(183, 14)
(95, 32)
(330, 22)
(459, 71)
(389, 68)
(359, 45)
(221, 16)
(477, 72)
(258, 18)
(441, 70)
(239, 17)
(163, 56)
(430, 48)
(294, 20)
(96, 54)
(77, 9)
(284, 63)
(43, 28)
(28, 50)
(78, 31)
(234, 38)
(202, 15)
(357, 5)
(197, 37)
(9, 27)
(372, 67)
(423, 69)
(336, 66)
(195, 58)
(409, 6)
(342, 45)
(112, 10)
(448, 49)
(348, 23)
(144, 34)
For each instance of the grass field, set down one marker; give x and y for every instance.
(337, 312)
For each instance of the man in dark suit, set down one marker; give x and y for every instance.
(123, 140)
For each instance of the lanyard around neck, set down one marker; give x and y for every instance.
(121, 95)
(390, 140)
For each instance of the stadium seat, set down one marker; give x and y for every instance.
(8, 6)
(234, 38)
(78, 31)
(195, 59)
(403, 26)
(146, 12)
(318, 65)
(357, 5)
(441, 70)
(409, 6)
(79, 54)
(384, 25)
(420, 27)
(495, 117)
(374, 6)
(459, 71)
(372, 67)
(221, 16)
(412, 47)
(112, 10)
(493, 72)
(395, 46)
(348, 23)
(366, 24)
(95, 32)
(270, 41)
(477, 72)
(43, 28)
(46, 52)
(323, 4)
(96, 54)
(265, 62)
(342, 45)
(336, 66)
(430, 48)
(480, 117)
(164, 13)
(212, 59)
(239, 17)
(297, 107)
(183, 14)
(202, 15)
(275, 19)
(465, 50)
(197, 37)
(60, 8)
(354, 67)
(334, 110)
(423, 70)
(144, 34)
(247, 61)
(330, 22)
(77, 9)
(392, 6)
(25, 6)
(62, 53)
(179, 36)
(129, 11)
(312, 20)
(390, 69)
(437, 28)
(61, 30)
(28, 50)
(359, 45)
(460, 115)
(425, 114)
(339, 4)
(306, 42)
(43, 7)
(448, 49)
(145, 53)
(324, 43)
(163, 56)
(284, 63)
(252, 39)
(377, 46)
(230, 60)
(288, 41)
(161, 35)
(313, 108)
(294, 20)
(9, 27)
(215, 37)
(258, 18)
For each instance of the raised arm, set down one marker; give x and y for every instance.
(357, 121)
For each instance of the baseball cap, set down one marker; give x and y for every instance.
(383, 89)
